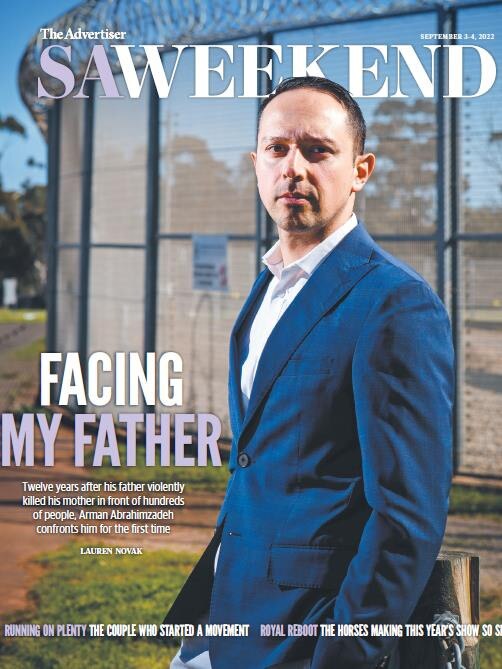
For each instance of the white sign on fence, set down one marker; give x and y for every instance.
(210, 262)
(9, 292)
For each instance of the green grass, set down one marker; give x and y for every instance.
(208, 479)
(22, 315)
(98, 589)
(491, 647)
(475, 500)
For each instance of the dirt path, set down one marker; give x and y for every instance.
(18, 373)
(15, 335)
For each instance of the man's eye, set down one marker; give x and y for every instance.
(318, 149)
(277, 148)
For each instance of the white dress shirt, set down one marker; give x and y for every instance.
(282, 290)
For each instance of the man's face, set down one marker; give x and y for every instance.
(305, 166)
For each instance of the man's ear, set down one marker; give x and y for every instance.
(253, 157)
(363, 167)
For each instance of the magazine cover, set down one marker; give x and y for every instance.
(251, 335)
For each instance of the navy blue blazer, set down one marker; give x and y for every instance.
(340, 467)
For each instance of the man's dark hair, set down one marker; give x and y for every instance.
(354, 114)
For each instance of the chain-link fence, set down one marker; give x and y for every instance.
(132, 181)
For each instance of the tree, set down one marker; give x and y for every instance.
(22, 225)
(401, 195)
(9, 126)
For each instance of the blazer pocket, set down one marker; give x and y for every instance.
(309, 566)
(301, 366)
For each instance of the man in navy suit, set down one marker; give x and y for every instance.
(340, 392)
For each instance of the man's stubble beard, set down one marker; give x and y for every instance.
(311, 224)
(299, 221)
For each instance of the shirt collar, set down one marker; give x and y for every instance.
(307, 264)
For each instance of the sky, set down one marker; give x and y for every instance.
(19, 21)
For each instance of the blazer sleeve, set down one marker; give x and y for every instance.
(402, 379)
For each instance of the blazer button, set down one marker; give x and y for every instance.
(244, 460)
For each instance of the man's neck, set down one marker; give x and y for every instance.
(295, 245)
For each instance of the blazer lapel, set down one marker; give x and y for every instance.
(335, 276)
(234, 378)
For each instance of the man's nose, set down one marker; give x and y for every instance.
(294, 166)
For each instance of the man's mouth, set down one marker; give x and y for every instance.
(295, 198)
